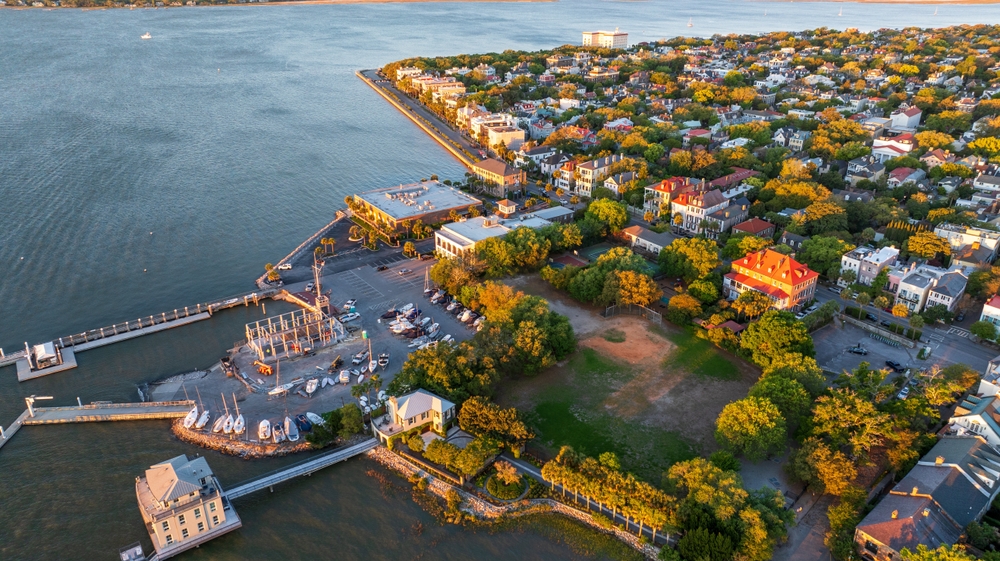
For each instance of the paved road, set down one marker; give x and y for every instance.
(530, 470)
(418, 109)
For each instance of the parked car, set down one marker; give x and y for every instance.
(812, 309)
(381, 268)
(904, 392)
(833, 289)
(349, 303)
(870, 317)
(885, 323)
(405, 271)
(350, 317)
(858, 350)
(960, 316)
(800, 315)
(285, 267)
(895, 366)
(310, 286)
(427, 257)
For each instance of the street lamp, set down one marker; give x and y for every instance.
(31, 401)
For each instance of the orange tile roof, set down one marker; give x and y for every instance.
(771, 264)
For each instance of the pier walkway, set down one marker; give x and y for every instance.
(97, 412)
(306, 467)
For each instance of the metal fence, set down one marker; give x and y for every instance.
(633, 310)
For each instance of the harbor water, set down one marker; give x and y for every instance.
(141, 176)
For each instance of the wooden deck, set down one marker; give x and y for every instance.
(109, 412)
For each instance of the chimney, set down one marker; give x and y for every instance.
(915, 489)
(927, 512)
(939, 460)
(895, 514)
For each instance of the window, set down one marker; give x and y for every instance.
(211, 506)
(201, 526)
(170, 539)
(166, 526)
(184, 532)
(423, 415)
(215, 520)
(180, 519)
(197, 513)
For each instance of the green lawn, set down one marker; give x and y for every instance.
(574, 415)
(698, 356)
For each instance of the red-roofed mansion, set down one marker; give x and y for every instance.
(782, 279)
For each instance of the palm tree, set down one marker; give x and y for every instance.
(333, 245)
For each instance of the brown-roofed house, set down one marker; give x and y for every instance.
(499, 177)
(755, 227)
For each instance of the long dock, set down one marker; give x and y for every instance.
(307, 467)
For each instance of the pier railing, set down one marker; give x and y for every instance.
(164, 317)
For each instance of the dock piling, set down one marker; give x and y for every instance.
(78, 402)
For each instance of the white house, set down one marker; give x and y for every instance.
(647, 240)
(977, 415)
(991, 311)
(866, 262)
(906, 119)
(948, 290)
(418, 410)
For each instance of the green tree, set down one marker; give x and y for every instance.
(612, 214)
(984, 330)
(415, 443)
(691, 258)
(822, 468)
(738, 246)
(682, 308)
(752, 426)
(845, 418)
(441, 452)
(752, 304)
(942, 553)
(788, 395)
(351, 421)
(479, 417)
(635, 288)
(821, 253)
(409, 249)
(776, 333)
(704, 290)
(701, 544)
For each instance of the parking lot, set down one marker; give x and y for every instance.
(832, 341)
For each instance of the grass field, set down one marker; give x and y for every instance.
(698, 356)
(574, 415)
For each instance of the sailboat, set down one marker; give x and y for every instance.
(691, 22)
(935, 11)
(372, 363)
(205, 415)
(264, 430)
(291, 431)
(219, 423)
(227, 425)
(192, 416)
(841, 11)
(240, 425)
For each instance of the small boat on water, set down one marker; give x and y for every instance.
(277, 433)
(303, 423)
(203, 419)
(146, 35)
(691, 22)
(291, 431)
(314, 418)
(311, 386)
(192, 416)
(264, 430)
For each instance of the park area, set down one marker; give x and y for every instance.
(649, 393)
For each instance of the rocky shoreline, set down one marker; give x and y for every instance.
(231, 447)
(484, 511)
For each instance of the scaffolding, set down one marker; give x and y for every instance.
(292, 334)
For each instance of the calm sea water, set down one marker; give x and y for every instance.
(139, 176)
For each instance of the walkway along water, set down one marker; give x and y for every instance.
(69, 345)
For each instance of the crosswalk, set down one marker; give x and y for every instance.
(959, 331)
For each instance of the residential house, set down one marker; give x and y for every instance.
(784, 280)
(783, 135)
(619, 183)
(692, 208)
(867, 262)
(499, 177)
(793, 241)
(418, 410)
(936, 157)
(725, 218)
(950, 487)
(623, 124)
(659, 195)
(906, 118)
(647, 240)
(960, 236)
(902, 175)
(550, 164)
(987, 182)
(755, 227)
(892, 145)
(864, 168)
(948, 290)
(590, 173)
(738, 176)
(696, 133)
(182, 505)
(565, 176)
(541, 128)
(852, 195)
(535, 155)
(991, 311)
(798, 140)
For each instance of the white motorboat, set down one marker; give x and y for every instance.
(364, 369)
(418, 342)
(264, 430)
(203, 419)
(240, 425)
(192, 416)
(383, 360)
(345, 377)
(361, 378)
(291, 431)
(277, 433)
(219, 423)
(314, 418)
(464, 316)
(452, 306)
(311, 386)
(406, 309)
(146, 35)
(447, 338)
(434, 327)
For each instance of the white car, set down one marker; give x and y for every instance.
(309, 287)
(285, 267)
(349, 317)
(904, 392)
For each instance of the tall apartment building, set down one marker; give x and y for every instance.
(605, 39)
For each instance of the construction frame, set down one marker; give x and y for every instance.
(292, 334)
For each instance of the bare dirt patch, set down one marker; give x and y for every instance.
(585, 319)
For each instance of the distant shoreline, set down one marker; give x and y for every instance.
(921, 2)
(278, 3)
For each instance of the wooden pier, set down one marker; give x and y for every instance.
(97, 412)
(307, 467)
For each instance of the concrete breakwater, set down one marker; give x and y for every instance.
(488, 512)
(238, 446)
(340, 215)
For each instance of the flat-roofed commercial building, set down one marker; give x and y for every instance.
(182, 505)
(427, 201)
(457, 238)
